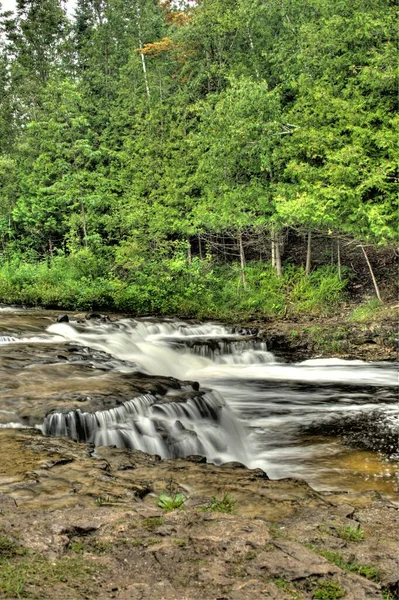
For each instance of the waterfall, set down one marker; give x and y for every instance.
(201, 425)
(248, 407)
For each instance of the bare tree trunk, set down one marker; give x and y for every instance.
(242, 259)
(143, 63)
(200, 246)
(84, 225)
(377, 291)
(309, 254)
(273, 248)
(189, 257)
(339, 259)
(50, 253)
(251, 44)
(279, 268)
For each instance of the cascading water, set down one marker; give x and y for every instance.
(250, 407)
(201, 425)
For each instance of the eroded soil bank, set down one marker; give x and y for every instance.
(76, 525)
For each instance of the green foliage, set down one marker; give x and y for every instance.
(10, 548)
(224, 505)
(170, 285)
(77, 547)
(366, 312)
(328, 590)
(104, 500)
(152, 523)
(130, 131)
(351, 534)
(169, 501)
(386, 595)
(285, 585)
(17, 578)
(335, 557)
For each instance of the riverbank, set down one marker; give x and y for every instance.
(80, 522)
(76, 525)
(367, 331)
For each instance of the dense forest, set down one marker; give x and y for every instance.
(200, 158)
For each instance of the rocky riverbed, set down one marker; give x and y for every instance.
(76, 524)
(84, 520)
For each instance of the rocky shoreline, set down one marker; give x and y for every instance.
(76, 524)
(83, 522)
(295, 340)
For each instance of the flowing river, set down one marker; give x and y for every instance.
(331, 422)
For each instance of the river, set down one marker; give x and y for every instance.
(331, 422)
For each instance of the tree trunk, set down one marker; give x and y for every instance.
(377, 291)
(200, 246)
(279, 268)
(189, 257)
(242, 259)
(273, 248)
(339, 260)
(276, 254)
(309, 254)
(143, 63)
(251, 44)
(84, 226)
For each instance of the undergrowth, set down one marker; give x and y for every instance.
(169, 285)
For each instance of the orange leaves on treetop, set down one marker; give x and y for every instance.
(173, 17)
(157, 48)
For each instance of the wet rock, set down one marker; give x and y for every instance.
(96, 316)
(371, 430)
(196, 459)
(62, 319)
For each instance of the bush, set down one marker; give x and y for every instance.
(168, 285)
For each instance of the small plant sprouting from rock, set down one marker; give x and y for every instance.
(328, 590)
(101, 500)
(387, 595)
(336, 558)
(9, 548)
(152, 523)
(351, 534)
(225, 505)
(180, 542)
(170, 501)
(77, 547)
(285, 585)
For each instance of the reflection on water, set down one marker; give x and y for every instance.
(294, 417)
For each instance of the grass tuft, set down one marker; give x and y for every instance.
(368, 571)
(225, 505)
(328, 590)
(351, 534)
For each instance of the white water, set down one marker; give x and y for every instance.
(257, 407)
(153, 346)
